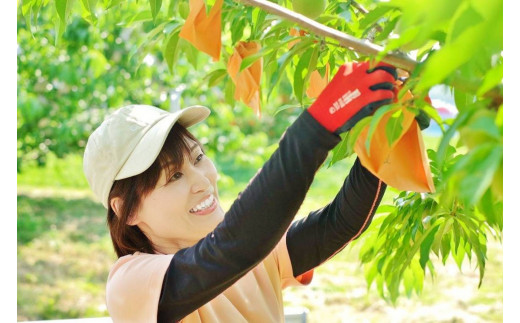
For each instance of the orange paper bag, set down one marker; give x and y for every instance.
(317, 83)
(203, 31)
(403, 164)
(247, 82)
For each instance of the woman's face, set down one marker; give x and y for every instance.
(183, 208)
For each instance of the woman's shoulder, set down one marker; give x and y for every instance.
(134, 286)
(139, 263)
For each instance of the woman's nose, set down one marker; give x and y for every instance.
(200, 181)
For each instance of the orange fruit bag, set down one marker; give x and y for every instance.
(404, 164)
(203, 31)
(247, 81)
(317, 83)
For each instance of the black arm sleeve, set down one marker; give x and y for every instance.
(252, 227)
(324, 232)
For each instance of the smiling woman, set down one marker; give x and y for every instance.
(155, 187)
(181, 257)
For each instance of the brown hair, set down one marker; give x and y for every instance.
(126, 238)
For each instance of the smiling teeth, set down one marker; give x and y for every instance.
(203, 205)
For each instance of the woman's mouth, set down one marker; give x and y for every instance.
(205, 207)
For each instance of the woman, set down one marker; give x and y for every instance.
(181, 257)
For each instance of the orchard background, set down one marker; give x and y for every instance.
(425, 255)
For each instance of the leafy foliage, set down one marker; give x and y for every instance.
(457, 43)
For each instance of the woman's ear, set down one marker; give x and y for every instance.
(116, 204)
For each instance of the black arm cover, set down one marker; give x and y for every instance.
(252, 227)
(323, 233)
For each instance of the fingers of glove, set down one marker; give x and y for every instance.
(379, 76)
(383, 86)
(381, 93)
(385, 67)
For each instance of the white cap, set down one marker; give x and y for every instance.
(129, 141)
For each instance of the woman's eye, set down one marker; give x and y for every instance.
(199, 158)
(176, 176)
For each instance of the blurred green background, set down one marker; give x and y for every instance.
(64, 250)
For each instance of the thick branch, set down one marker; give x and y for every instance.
(345, 40)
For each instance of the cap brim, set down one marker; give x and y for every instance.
(151, 144)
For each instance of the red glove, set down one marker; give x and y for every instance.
(353, 93)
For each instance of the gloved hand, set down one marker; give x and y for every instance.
(354, 92)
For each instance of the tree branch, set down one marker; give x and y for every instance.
(345, 40)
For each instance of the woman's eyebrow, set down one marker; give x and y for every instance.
(193, 147)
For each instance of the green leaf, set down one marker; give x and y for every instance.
(418, 273)
(26, 12)
(462, 99)
(59, 27)
(312, 64)
(452, 55)
(338, 153)
(237, 28)
(141, 16)
(487, 207)
(27, 6)
(465, 17)
(216, 76)
(257, 21)
(374, 15)
(492, 78)
(426, 246)
(184, 9)
(90, 6)
(394, 126)
(229, 93)
(386, 208)
(380, 285)
(286, 59)
(445, 248)
(461, 118)
(456, 234)
(370, 274)
(480, 251)
(303, 63)
(170, 52)
(172, 26)
(458, 254)
(444, 229)
(285, 107)
(112, 3)
(408, 280)
(190, 51)
(393, 286)
(475, 171)
(63, 8)
(499, 120)
(389, 27)
(376, 118)
(155, 7)
(354, 133)
(152, 37)
(418, 243)
(264, 51)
